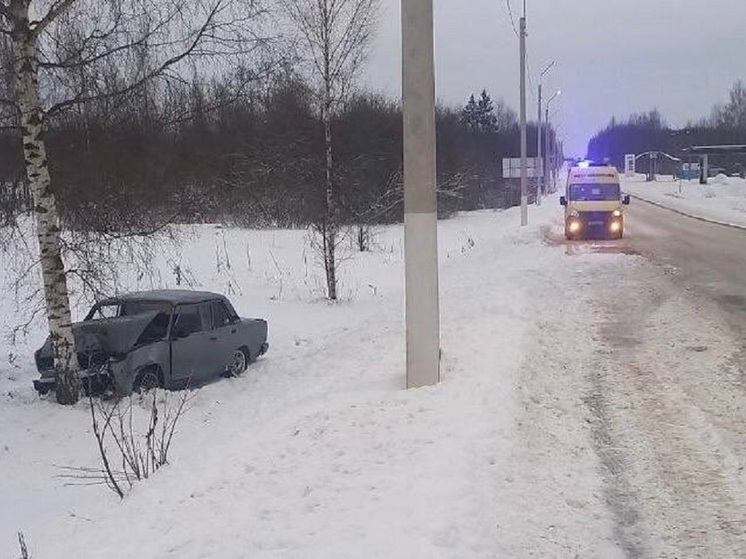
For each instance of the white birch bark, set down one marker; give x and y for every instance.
(330, 220)
(45, 208)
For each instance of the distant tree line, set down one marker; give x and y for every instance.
(251, 152)
(650, 132)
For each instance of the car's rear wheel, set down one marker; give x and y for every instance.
(148, 379)
(239, 362)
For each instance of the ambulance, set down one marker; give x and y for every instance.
(593, 201)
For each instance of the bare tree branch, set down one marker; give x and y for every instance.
(57, 9)
(149, 76)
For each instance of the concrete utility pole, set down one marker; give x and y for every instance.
(420, 200)
(524, 146)
(541, 179)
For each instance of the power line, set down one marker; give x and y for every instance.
(512, 19)
(517, 34)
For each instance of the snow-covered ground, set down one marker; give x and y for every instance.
(723, 199)
(317, 451)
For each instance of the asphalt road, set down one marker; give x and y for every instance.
(667, 388)
(709, 259)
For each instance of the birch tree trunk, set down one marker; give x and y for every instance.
(330, 221)
(45, 208)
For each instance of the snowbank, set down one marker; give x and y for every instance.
(723, 199)
(317, 451)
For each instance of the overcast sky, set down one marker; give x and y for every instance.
(613, 57)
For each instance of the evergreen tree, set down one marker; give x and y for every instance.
(486, 119)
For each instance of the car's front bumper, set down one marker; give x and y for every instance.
(91, 381)
(44, 385)
(594, 225)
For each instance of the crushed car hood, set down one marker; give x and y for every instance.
(108, 336)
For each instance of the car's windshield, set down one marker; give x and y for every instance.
(104, 311)
(128, 308)
(139, 307)
(156, 330)
(594, 192)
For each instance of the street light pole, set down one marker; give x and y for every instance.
(420, 200)
(540, 175)
(538, 153)
(546, 121)
(524, 146)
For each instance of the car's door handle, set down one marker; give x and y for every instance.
(214, 338)
(233, 330)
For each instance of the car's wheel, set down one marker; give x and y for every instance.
(239, 362)
(148, 379)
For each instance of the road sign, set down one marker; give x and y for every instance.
(512, 167)
(690, 171)
(629, 165)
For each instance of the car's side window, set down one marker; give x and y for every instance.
(231, 312)
(188, 321)
(220, 315)
(205, 315)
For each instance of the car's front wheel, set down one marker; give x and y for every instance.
(239, 362)
(148, 379)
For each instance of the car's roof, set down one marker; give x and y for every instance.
(167, 296)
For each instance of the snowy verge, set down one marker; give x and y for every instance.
(317, 451)
(721, 201)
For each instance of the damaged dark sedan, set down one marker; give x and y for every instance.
(168, 338)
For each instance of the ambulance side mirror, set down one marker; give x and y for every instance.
(563, 201)
(625, 200)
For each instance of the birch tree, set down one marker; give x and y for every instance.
(334, 35)
(69, 52)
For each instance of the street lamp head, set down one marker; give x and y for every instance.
(545, 70)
